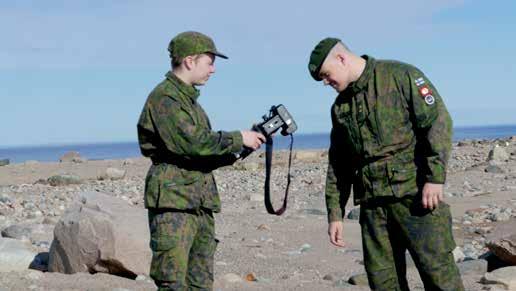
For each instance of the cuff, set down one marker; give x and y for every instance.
(238, 142)
(335, 214)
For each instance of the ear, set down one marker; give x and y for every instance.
(341, 58)
(188, 62)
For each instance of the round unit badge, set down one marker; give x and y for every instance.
(429, 99)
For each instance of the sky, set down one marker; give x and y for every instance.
(80, 71)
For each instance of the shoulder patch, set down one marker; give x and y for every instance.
(429, 99)
(419, 81)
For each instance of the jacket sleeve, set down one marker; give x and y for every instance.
(339, 176)
(181, 135)
(432, 123)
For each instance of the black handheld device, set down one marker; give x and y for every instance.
(278, 118)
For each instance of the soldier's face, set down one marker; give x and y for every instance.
(203, 68)
(335, 73)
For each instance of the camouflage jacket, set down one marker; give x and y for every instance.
(174, 131)
(391, 133)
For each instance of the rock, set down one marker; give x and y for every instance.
(63, 180)
(502, 241)
(505, 277)
(305, 248)
(360, 279)
(17, 232)
(458, 255)
(232, 278)
(256, 197)
(72, 156)
(263, 227)
(307, 156)
(328, 277)
(354, 213)
(463, 143)
(4, 162)
(250, 277)
(100, 233)
(498, 154)
(14, 255)
(343, 283)
(472, 267)
(495, 169)
(112, 174)
(5, 199)
(40, 262)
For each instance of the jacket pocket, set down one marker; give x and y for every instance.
(402, 178)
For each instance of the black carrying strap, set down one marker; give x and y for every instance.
(268, 163)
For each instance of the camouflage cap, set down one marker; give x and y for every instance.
(319, 54)
(190, 43)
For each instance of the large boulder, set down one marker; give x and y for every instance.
(502, 241)
(15, 255)
(498, 155)
(100, 233)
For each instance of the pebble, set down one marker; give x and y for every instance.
(232, 278)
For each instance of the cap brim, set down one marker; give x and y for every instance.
(219, 55)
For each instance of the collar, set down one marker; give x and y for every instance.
(188, 90)
(363, 80)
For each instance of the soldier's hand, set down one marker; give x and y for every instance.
(335, 232)
(432, 195)
(252, 139)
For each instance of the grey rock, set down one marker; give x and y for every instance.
(328, 277)
(4, 162)
(5, 199)
(354, 213)
(112, 174)
(472, 267)
(495, 169)
(498, 154)
(505, 277)
(17, 232)
(343, 283)
(101, 233)
(458, 255)
(63, 180)
(360, 279)
(14, 255)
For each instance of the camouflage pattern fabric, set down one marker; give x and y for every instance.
(180, 190)
(183, 245)
(391, 134)
(392, 225)
(191, 43)
(174, 131)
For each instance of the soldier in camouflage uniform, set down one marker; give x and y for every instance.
(180, 190)
(390, 142)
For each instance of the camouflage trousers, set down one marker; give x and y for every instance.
(183, 245)
(390, 226)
